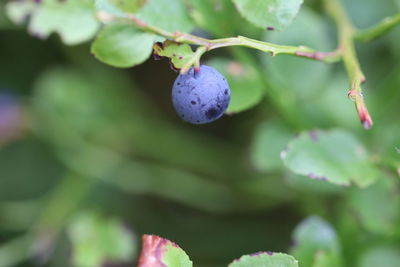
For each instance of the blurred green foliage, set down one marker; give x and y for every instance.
(97, 240)
(85, 145)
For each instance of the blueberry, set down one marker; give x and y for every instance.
(202, 96)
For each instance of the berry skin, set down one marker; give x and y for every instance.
(201, 97)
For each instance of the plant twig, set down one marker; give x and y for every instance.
(273, 49)
(346, 32)
(376, 31)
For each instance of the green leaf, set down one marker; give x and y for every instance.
(73, 20)
(326, 259)
(212, 15)
(220, 18)
(377, 206)
(382, 256)
(97, 241)
(129, 6)
(179, 54)
(331, 102)
(334, 156)
(373, 11)
(277, 14)
(109, 7)
(19, 11)
(157, 251)
(386, 139)
(315, 241)
(303, 78)
(270, 138)
(122, 45)
(299, 83)
(305, 184)
(247, 88)
(169, 15)
(265, 259)
(175, 256)
(119, 7)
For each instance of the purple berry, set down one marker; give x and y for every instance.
(202, 96)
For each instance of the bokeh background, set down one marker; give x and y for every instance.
(92, 157)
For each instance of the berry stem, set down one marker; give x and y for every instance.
(346, 33)
(195, 60)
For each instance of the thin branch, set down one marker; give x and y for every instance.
(273, 49)
(376, 31)
(346, 32)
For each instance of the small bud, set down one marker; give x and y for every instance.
(363, 113)
(366, 120)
